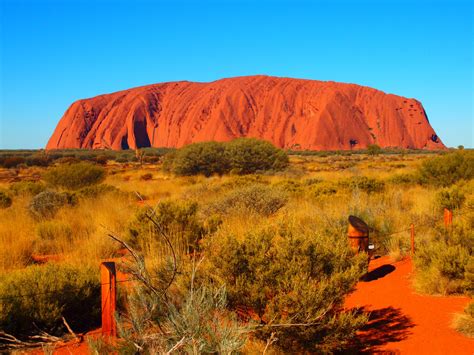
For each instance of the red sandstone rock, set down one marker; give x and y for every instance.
(291, 113)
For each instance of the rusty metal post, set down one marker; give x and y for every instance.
(448, 218)
(358, 233)
(412, 235)
(108, 280)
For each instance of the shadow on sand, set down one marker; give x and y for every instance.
(385, 325)
(378, 273)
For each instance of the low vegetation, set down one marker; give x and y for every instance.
(240, 156)
(247, 243)
(37, 297)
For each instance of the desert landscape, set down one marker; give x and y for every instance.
(233, 259)
(236, 177)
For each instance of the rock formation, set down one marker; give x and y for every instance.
(291, 113)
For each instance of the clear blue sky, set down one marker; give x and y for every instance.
(55, 52)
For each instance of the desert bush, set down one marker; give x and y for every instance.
(102, 159)
(47, 203)
(12, 162)
(51, 234)
(286, 276)
(178, 220)
(195, 322)
(373, 149)
(38, 160)
(404, 179)
(364, 183)
(146, 177)
(30, 188)
(325, 188)
(249, 155)
(290, 186)
(450, 198)
(205, 158)
(74, 176)
(96, 191)
(240, 156)
(447, 169)
(442, 262)
(5, 200)
(464, 323)
(260, 199)
(59, 291)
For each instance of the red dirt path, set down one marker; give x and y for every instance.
(402, 321)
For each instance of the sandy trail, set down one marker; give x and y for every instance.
(403, 321)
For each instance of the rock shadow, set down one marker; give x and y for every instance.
(385, 325)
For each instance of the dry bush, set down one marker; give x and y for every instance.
(464, 323)
(260, 199)
(59, 291)
(74, 176)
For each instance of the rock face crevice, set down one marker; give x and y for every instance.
(291, 113)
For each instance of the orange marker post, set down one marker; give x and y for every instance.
(448, 218)
(108, 280)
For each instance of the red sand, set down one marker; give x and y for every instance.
(291, 113)
(403, 321)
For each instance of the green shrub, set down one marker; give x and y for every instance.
(249, 155)
(179, 220)
(404, 179)
(364, 183)
(30, 188)
(205, 158)
(96, 191)
(450, 198)
(442, 262)
(325, 188)
(260, 199)
(240, 156)
(374, 149)
(290, 186)
(448, 169)
(5, 200)
(59, 291)
(47, 203)
(74, 176)
(285, 276)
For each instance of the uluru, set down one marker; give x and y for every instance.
(290, 113)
